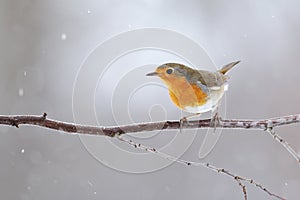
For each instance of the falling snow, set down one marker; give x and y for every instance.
(21, 92)
(63, 36)
(90, 183)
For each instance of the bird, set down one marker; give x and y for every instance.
(192, 90)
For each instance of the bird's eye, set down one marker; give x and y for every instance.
(169, 71)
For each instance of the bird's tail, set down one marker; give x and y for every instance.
(227, 67)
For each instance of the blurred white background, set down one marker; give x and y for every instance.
(43, 45)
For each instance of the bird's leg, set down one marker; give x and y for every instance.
(215, 120)
(185, 120)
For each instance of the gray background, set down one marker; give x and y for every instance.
(38, 68)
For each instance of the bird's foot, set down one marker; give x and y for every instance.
(183, 121)
(215, 121)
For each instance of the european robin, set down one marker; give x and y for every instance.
(192, 90)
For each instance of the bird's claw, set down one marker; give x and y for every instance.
(215, 121)
(183, 121)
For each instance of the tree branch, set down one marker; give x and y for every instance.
(111, 131)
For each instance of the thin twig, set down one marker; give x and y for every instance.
(284, 144)
(237, 178)
(243, 189)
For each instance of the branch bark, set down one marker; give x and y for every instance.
(118, 131)
(112, 131)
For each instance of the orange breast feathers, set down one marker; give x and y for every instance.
(185, 94)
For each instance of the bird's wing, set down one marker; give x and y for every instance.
(212, 80)
(203, 87)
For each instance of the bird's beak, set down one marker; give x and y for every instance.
(152, 74)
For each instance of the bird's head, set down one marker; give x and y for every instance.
(171, 72)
